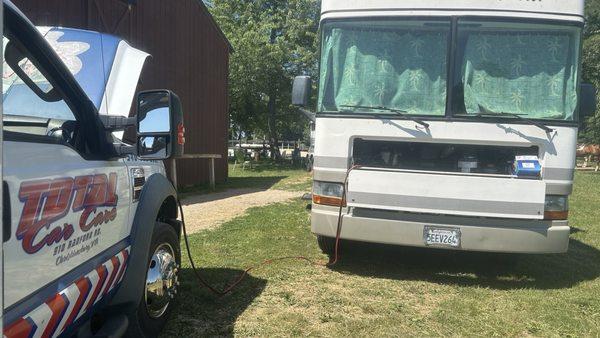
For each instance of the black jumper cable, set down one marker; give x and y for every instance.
(332, 261)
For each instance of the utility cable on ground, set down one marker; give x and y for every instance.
(333, 260)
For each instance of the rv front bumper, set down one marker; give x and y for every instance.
(477, 233)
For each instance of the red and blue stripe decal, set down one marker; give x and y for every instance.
(54, 316)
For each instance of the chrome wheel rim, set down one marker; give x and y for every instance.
(161, 280)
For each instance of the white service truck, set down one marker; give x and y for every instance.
(91, 237)
(459, 120)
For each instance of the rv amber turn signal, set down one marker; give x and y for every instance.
(556, 215)
(325, 200)
(556, 207)
(328, 193)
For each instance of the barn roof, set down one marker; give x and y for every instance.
(208, 14)
(210, 17)
(215, 24)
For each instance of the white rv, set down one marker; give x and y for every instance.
(454, 122)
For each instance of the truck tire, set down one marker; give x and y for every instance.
(161, 283)
(326, 244)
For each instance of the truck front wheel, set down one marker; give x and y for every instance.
(162, 282)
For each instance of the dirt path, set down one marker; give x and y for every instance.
(211, 210)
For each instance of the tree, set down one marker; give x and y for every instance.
(591, 74)
(274, 40)
(592, 17)
(591, 66)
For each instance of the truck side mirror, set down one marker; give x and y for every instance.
(588, 103)
(301, 91)
(160, 128)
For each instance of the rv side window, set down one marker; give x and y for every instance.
(523, 68)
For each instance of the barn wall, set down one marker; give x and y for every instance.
(189, 56)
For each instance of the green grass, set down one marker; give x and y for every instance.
(263, 175)
(378, 290)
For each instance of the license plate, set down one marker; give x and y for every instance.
(444, 237)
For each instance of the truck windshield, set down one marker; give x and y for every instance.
(19, 99)
(399, 64)
(529, 69)
(519, 68)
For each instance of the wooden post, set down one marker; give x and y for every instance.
(212, 173)
(174, 172)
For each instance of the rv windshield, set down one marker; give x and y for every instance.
(398, 64)
(520, 68)
(529, 69)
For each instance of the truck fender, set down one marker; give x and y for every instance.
(156, 190)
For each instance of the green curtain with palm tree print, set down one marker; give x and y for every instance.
(526, 73)
(396, 68)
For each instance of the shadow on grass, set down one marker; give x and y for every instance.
(490, 270)
(263, 182)
(201, 313)
(269, 165)
(255, 183)
(192, 199)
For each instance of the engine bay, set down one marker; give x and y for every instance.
(439, 157)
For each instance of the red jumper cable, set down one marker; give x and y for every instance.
(333, 260)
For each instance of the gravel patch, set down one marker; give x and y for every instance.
(211, 210)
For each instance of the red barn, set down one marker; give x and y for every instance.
(190, 55)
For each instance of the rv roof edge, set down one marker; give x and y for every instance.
(562, 9)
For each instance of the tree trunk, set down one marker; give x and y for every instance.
(272, 107)
(274, 142)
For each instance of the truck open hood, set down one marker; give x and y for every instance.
(106, 67)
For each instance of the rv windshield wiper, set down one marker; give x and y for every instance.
(484, 112)
(398, 112)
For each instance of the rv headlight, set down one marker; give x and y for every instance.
(556, 207)
(328, 193)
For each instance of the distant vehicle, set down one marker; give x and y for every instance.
(460, 122)
(90, 228)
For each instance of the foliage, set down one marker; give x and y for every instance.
(591, 66)
(591, 74)
(240, 155)
(273, 41)
(592, 14)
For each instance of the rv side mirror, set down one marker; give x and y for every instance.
(588, 103)
(160, 129)
(301, 91)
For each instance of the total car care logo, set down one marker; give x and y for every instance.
(47, 201)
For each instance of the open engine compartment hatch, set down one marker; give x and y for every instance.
(499, 197)
(439, 157)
